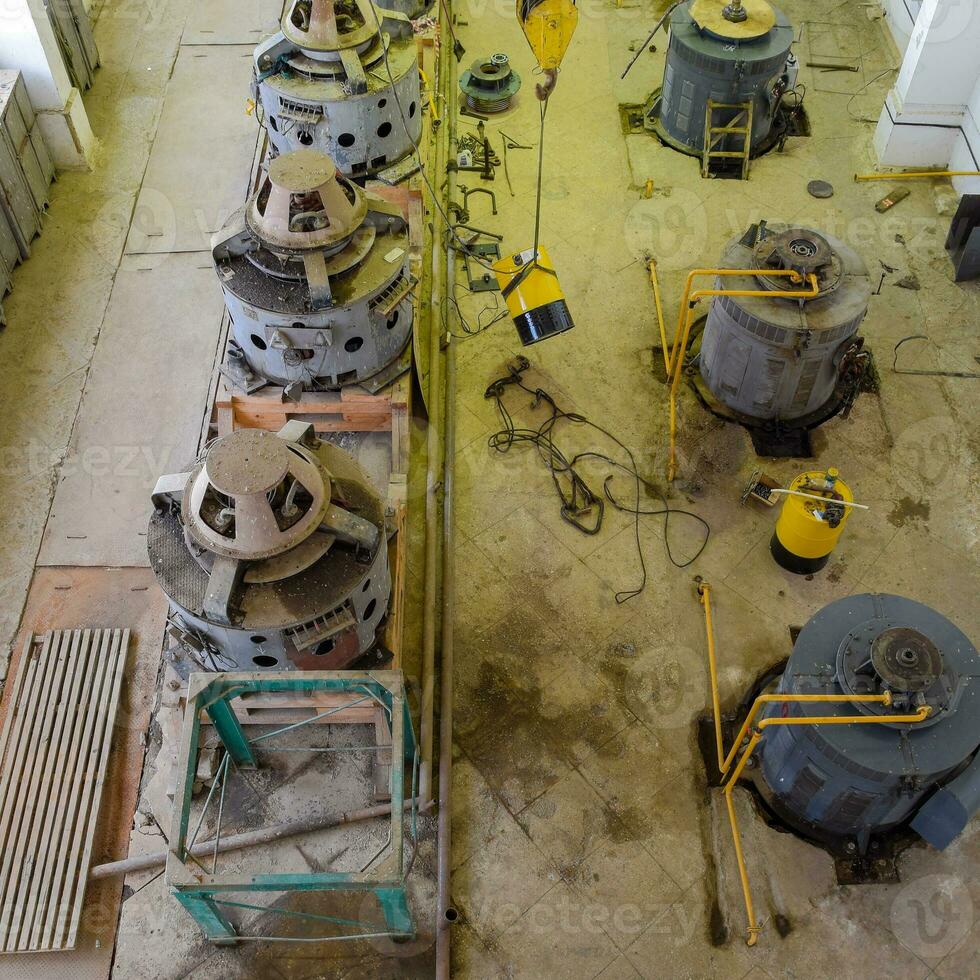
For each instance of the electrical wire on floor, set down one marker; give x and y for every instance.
(496, 313)
(926, 374)
(864, 88)
(461, 245)
(581, 506)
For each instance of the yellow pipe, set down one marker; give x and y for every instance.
(655, 282)
(753, 928)
(918, 173)
(432, 98)
(695, 273)
(685, 316)
(704, 593)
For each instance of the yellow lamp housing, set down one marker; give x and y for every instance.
(533, 295)
(807, 530)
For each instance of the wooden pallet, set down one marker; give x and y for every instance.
(54, 751)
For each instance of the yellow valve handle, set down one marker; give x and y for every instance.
(548, 26)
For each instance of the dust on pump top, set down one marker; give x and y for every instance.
(528, 281)
(316, 278)
(341, 76)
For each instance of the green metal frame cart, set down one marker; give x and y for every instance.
(204, 892)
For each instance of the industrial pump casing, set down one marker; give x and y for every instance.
(316, 277)
(775, 358)
(708, 58)
(849, 782)
(342, 78)
(272, 550)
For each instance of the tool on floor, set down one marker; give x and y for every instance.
(895, 196)
(485, 281)
(829, 66)
(458, 49)
(816, 507)
(528, 281)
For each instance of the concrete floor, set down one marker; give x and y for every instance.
(586, 842)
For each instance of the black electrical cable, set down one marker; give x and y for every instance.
(580, 505)
(460, 245)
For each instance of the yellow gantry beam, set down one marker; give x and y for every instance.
(725, 761)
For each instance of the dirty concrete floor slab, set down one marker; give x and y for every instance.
(586, 842)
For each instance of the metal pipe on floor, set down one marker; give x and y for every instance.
(431, 584)
(446, 913)
(234, 842)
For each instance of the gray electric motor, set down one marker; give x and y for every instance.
(850, 782)
(316, 278)
(273, 553)
(342, 78)
(773, 358)
(710, 58)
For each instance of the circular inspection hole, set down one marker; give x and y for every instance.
(384, 129)
(306, 139)
(452, 915)
(392, 320)
(369, 609)
(411, 110)
(258, 342)
(346, 139)
(264, 660)
(258, 639)
(354, 344)
(382, 103)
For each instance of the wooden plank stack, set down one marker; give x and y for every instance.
(54, 752)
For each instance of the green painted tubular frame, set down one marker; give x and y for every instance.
(204, 894)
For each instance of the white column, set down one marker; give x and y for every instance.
(27, 42)
(924, 114)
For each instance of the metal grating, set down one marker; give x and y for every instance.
(54, 752)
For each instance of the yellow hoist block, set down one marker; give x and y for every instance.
(548, 26)
(807, 530)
